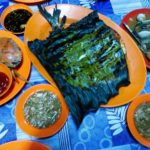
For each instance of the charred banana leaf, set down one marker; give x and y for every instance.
(86, 61)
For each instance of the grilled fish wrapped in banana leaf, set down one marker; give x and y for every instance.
(85, 60)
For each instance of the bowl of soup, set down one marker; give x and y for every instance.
(138, 119)
(41, 111)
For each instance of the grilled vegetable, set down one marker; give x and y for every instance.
(86, 61)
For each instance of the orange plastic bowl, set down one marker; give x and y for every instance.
(130, 118)
(6, 71)
(33, 131)
(10, 9)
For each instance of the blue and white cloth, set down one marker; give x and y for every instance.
(3, 5)
(105, 129)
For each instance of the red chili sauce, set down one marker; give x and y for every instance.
(4, 82)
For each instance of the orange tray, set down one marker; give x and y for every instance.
(45, 132)
(23, 69)
(130, 118)
(40, 29)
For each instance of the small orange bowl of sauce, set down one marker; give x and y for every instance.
(15, 17)
(138, 119)
(5, 79)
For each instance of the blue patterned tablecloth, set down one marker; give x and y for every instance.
(3, 5)
(105, 129)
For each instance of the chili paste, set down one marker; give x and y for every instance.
(42, 109)
(16, 20)
(142, 120)
(4, 82)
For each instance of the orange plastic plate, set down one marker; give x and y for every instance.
(23, 145)
(45, 132)
(37, 27)
(130, 118)
(23, 69)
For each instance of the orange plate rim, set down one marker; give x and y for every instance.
(29, 1)
(24, 145)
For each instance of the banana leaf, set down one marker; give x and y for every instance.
(85, 60)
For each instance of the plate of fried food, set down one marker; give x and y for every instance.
(13, 55)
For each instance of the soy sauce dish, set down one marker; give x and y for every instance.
(138, 119)
(15, 17)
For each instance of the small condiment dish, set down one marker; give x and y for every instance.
(13, 24)
(6, 79)
(132, 113)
